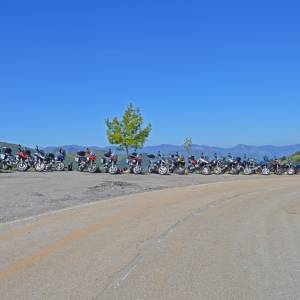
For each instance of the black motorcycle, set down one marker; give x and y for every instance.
(290, 168)
(110, 163)
(176, 164)
(158, 164)
(234, 166)
(6, 158)
(134, 163)
(251, 167)
(275, 166)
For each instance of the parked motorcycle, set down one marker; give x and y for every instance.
(218, 165)
(176, 164)
(110, 163)
(264, 168)
(86, 161)
(59, 160)
(24, 160)
(158, 164)
(251, 167)
(234, 165)
(134, 163)
(193, 165)
(276, 167)
(290, 168)
(6, 158)
(204, 165)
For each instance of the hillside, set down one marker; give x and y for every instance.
(295, 157)
(14, 147)
(239, 150)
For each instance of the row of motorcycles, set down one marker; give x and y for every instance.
(219, 165)
(39, 160)
(236, 166)
(159, 164)
(87, 161)
(175, 163)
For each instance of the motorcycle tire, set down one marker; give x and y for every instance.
(291, 171)
(205, 171)
(248, 171)
(265, 171)
(217, 171)
(137, 170)
(59, 166)
(163, 170)
(5, 166)
(40, 167)
(113, 170)
(92, 168)
(22, 166)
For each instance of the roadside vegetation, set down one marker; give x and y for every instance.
(128, 132)
(294, 158)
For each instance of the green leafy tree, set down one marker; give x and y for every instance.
(187, 145)
(128, 132)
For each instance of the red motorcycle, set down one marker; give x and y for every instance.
(24, 159)
(86, 161)
(193, 164)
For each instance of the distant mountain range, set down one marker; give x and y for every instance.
(238, 150)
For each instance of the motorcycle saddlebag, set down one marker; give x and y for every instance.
(7, 150)
(81, 153)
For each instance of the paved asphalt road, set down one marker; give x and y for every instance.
(237, 239)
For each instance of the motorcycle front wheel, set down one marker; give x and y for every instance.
(22, 166)
(265, 171)
(59, 166)
(92, 168)
(40, 166)
(163, 170)
(137, 170)
(248, 171)
(113, 170)
(5, 166)
(218, 170)
(291, 171)
(205, 171)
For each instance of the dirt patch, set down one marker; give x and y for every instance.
(110, 185)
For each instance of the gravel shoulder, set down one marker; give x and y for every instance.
(29, 194)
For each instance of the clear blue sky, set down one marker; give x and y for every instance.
(222, 72)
